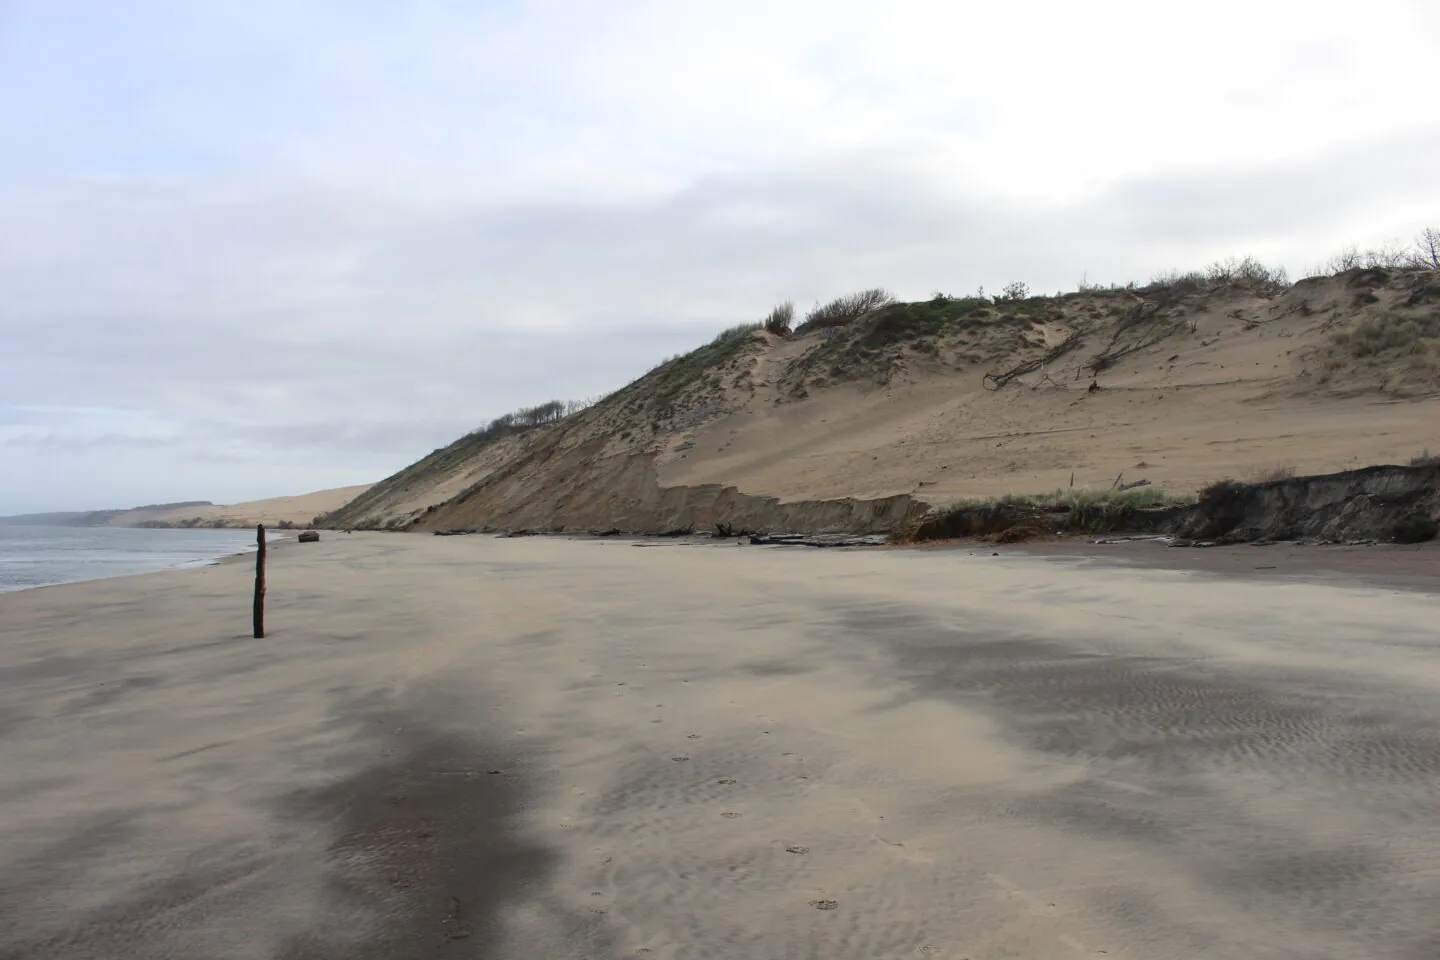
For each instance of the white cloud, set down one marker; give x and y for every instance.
(283, 234)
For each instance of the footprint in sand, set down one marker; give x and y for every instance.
(457, 927)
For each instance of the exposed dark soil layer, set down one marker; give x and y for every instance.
(1384, 503)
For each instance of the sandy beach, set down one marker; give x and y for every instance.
(468, 747)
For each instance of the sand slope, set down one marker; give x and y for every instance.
(467, 747)
(1221, 383)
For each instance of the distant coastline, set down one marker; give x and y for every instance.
(92, 518)
(282, 513)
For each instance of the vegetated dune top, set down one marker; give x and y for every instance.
(297, 511)
(1178, 384)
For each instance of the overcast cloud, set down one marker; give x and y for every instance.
(255, 248)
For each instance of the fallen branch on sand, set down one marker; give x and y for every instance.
(1144, 326)
(994, 381)
(819, 540)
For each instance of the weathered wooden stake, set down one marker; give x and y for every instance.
(260, 582)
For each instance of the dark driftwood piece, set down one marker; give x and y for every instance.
(260, 582)
(819, 540)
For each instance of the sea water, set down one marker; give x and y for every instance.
(35, 556)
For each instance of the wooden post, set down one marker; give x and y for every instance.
(260, 582)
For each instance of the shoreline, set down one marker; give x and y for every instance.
(188, 564)
(1414, 567)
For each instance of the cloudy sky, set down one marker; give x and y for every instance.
(260, 247)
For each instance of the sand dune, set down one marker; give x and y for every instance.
(1228, 382)
(296, 511)
(467, 747)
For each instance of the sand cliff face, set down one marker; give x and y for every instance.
(624, 495)
(1376, 503)
(864, 427)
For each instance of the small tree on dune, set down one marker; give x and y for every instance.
(846, 309)
(1427, 249)
(779, 320)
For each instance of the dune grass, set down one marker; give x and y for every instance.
(664, 384)
(1386, 333)
(1025, 516)
(1080, 497)
(1402, 351)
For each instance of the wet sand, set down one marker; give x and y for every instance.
(465, 747)
(1390, 565)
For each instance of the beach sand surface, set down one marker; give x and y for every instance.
(469, 747)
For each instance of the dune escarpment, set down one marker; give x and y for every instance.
(864, 425)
